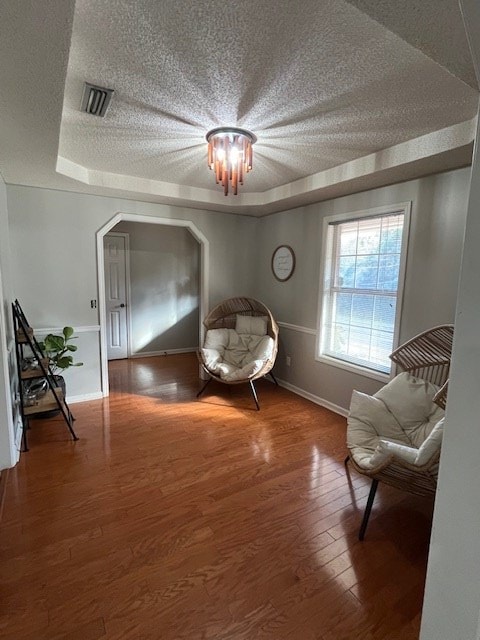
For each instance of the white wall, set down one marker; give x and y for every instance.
(164, 284)
(452, 597)
(8, 374)
(436, 234)
(55, 271)
(452, 593)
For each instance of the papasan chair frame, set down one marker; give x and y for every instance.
(426, 356)
(224, 316)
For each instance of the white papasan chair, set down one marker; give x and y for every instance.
(395, 435)
(241, 343)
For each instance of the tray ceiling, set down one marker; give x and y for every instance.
(322, 85)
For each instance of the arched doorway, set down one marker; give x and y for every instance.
(204, 258)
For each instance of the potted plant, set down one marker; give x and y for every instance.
(58, 350)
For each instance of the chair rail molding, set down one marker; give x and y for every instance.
(297, 327)
(81, 329)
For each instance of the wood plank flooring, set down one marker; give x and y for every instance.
(174, 518)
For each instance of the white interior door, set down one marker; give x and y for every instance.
(116, 295)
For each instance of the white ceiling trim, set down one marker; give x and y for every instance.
(385, 166)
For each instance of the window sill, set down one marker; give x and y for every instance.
(354, 368)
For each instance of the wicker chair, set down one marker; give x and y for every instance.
(224, 316)
(426, 358)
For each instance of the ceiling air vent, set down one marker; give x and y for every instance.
(96, 99)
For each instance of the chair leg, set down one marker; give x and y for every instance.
(347, 460)
(368, 509)
(204, 387)
(254, 393)
(273, 377)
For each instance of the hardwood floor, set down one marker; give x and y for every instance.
(181, 519)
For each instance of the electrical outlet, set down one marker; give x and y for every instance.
(93, 304)
(288, 360)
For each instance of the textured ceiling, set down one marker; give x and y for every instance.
(319, 83)
(433, 26)
(332, 89)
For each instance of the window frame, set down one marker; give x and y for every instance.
(326, 268)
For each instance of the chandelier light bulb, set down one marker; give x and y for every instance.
(230, 155)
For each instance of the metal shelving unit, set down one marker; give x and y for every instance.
(54, 397)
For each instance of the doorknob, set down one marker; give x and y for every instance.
(120, 305)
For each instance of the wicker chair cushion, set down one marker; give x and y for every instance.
(385, 448)
(252, 325)
(410, 400)
(397, 420)
(233, 356)
(411, 455)
(431, 445)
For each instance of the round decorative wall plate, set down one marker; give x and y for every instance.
(283, 262)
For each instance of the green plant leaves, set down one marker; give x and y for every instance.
(67, 332)
(64, 362)
(55, 348)
(54, 343)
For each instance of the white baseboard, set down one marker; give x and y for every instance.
(313, 398)
(283, 383)
(165, 352)
(85, 397)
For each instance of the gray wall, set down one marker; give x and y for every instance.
(59, 292)
(164, 284)
(54, 262)
(436, 235)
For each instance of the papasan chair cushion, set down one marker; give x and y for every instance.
(400, 421)
(240, 353)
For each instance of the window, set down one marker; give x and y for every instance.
(362, 277)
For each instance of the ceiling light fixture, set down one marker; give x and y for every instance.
(230, 155)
